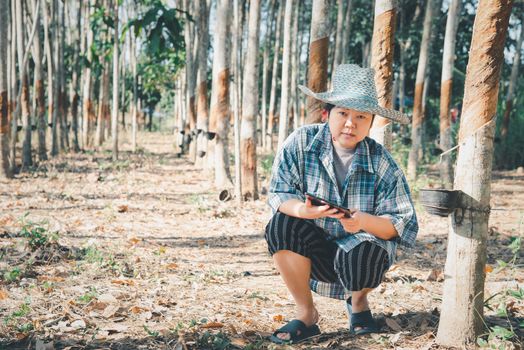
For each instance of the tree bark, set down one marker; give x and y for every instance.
(286, 65)
(347, 31)
(461, 319)
(220, 95)
(114, 112)
(418, 116)
(512, 82)
(295, 42)
(5, 171)
(339, 34)
(87, 105)
(383, 44)
(448, 59)
(103, 105)
(250, 107)
(318, 57)
(236, 34)
(265, 70)
(274, 80)
(190, 85)
(202, 105)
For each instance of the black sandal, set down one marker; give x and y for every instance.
(363, 320)
(297, 331)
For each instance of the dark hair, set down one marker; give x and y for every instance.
(328, 107)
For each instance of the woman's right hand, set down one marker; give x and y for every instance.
(310, 211)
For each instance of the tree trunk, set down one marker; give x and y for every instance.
(512, 81)
(114, 112)
(250, 107)
(339, 35)
(418, 116)
(274, 80)
(461, 319)
(74, 38)
(220, 94)
(5, 171)
(87, 106)
(190, 85)
(383, 43)
(286, 65)
(62, 102)
(265, 70)
(446, 84)
(318, 57)
(347, 31)
(13, 93)
(202, 105)
(295, 42)
(236, 34)
(39, 89)
(103, 105)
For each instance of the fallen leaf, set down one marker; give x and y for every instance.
(393, 324)
(123, 208)
(45, 278)
(124, 282)
(40, 345)
(488, 268)
(212, 325)
(137, 309)
(134, 240)
(107, 298)
(3, 294)
(110, 311)
(395, 338)
(172, 266)
(434, 275)
(278, 318)
(115, 328)
(78, 324)
(240, 342)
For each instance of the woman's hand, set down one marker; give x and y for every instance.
(310, 211)
(355, 223)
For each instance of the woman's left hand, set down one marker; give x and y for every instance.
(355, 223)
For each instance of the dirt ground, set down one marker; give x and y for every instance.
(141, 254)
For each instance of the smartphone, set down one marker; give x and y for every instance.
(319, 202)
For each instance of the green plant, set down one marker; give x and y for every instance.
(266, 164)
(13, 275)
(88, 296)
(218, 341)
(37, 233)
(22, 311)
(150, 332)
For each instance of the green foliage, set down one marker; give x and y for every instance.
(266, 164)
(88, 296)
(12, 275)
(218, 341)
(36, 234)
(22, 311)
(150, 332)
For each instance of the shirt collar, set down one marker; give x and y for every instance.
(323, 145)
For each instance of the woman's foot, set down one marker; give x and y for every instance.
(359, 303)
(308, 316)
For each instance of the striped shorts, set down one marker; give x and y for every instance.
(362, 267)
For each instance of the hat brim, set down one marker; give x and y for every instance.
(360, 105)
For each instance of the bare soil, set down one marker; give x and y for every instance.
(141, 254)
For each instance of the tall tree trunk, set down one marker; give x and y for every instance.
(5, 171)
(114, 112)
(347, 31)
(134, 109)
(103, 105)
(461, 319)
(339, 35)
(202, 106)
(27, 159)
(87, 105)
(236, 34)
(190, 85)
(286, 65)
(274, 80)
(318, 57)
(418, 116)
(74, 38)
(220, 94)
(512, 81)
(56, 81)
(62, 103)
(446, 87)
(13, 93)
(250, 107)
(295, 42)
(383, 43)
(265, 70)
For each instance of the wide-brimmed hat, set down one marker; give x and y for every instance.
(354, 88)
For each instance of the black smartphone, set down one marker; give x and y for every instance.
(319, 202)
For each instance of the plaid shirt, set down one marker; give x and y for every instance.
(374, 184)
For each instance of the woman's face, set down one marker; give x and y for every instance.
(348, 127)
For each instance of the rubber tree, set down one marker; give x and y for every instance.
(87, 104)
(512, 81)
(318, 57)
(383, 43)
(248, 136)
(339, 35)
(5, 171)
(274, 80)
(265, 69)
(191, 81)
(286, 75)
(461, 318)
(446, 85)
(202, 105)
(114, 110)
(347, 31)
(219, 123)
(418, 116)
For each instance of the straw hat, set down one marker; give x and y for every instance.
(354, 88)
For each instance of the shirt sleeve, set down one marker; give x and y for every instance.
(394, 201)
(286, 181)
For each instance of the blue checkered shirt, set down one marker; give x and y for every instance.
(374, 184)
